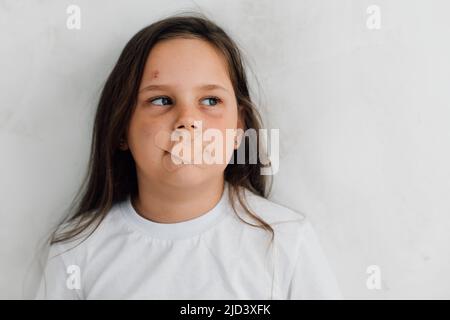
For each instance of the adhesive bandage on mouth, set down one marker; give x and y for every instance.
(202, 148)
(196, 147)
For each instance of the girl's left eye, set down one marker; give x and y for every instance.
(212, 101)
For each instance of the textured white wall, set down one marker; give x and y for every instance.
(363, 116)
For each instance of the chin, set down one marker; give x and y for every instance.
(186, 175)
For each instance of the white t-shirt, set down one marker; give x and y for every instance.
(213, 256)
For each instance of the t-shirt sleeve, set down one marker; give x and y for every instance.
(312, 276)
(56, 282)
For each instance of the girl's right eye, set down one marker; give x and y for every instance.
(160, 101)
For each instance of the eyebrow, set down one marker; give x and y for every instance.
(164, 86)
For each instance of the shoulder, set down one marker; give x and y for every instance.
(278, 216)
(98, 232)
(72, 257)
(304, 270)
(294, 232)
(291, 224)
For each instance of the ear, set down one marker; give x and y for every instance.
(239, 129)
(123, 145)
(240, 121)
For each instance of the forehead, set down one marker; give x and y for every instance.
(185, 62)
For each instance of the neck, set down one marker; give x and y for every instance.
(168, 204)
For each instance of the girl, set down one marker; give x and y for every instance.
(153, 224)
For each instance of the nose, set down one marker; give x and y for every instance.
(186, 120)
(187, 123)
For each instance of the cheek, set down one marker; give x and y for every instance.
(143, 137)
(227, 120)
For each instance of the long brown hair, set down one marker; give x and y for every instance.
(111, 174)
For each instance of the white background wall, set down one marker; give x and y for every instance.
(363, 117)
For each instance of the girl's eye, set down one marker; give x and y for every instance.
(212, 101)
(160, 101)
(164, 101)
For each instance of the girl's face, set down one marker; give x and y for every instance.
(185, 84)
